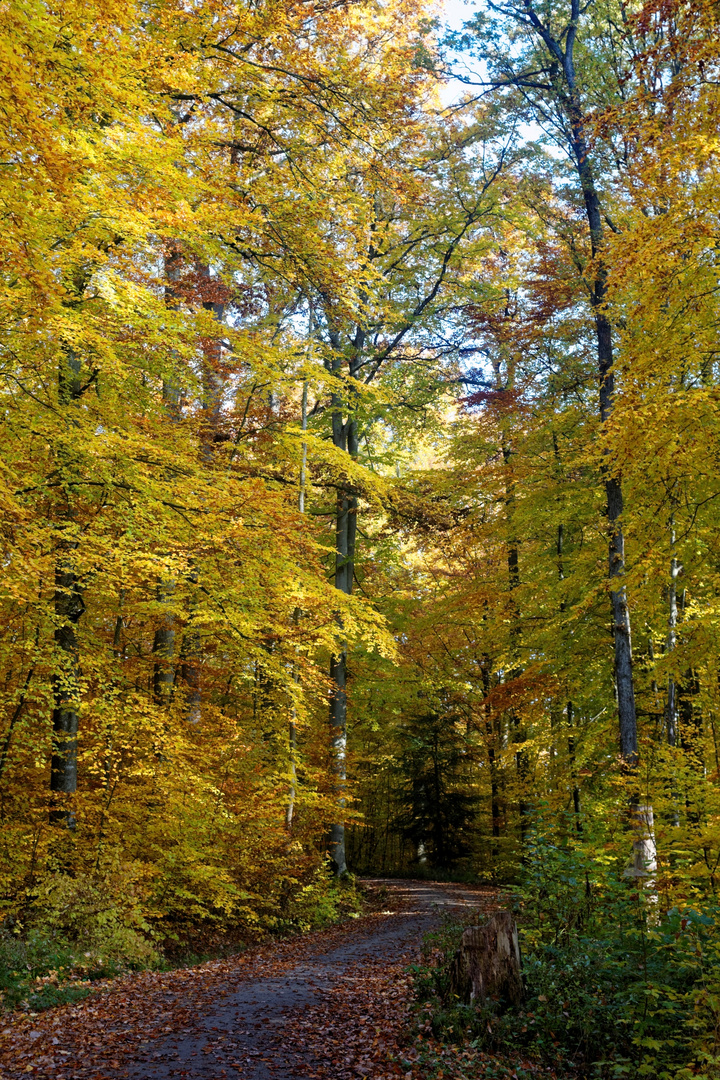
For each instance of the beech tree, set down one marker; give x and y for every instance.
(549, 87)
(301, 373)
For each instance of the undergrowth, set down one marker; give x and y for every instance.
(77, 928)
(615, 986)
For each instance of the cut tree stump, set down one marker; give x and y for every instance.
(487, 964)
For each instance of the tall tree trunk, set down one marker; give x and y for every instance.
(569, 705)
(671, 704)
(522, 765)
(339, 692)
(491, 737)
(345, 437)
(641, 812)
(292, 724)
(624, 681)
(164, 646)
(573, 771)
(213, 385)
(164, 636)
(69, 607)
(338, 754)
(568, 99)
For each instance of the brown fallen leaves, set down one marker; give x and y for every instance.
(353, 1024)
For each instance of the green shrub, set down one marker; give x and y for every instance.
(37, 972)
(78, 928)
(615, 986)
(98, 916)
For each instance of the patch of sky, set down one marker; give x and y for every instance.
(454, 15)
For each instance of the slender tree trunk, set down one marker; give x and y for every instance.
(213, 386)
(573, 772)
(671, 703)
(338, 755)
(345, 437)
(164, 646)
(438, 824)
(69, 607)
(338, 678)
(292, 725)
(641, 812)
(164, 636)
(569, 705)
(568, 99)
(491, 736)
(513, 567)
(624, 682)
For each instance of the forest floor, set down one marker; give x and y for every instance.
(330, 1004)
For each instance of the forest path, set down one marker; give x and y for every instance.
(328, 1004)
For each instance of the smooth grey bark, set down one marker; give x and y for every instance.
(613, 489)
(644, 861)
(565, 80)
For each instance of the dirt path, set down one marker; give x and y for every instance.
(330, 1004)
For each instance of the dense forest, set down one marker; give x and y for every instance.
(360, 459)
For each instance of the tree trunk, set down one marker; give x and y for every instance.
(573, 771)
(487, 964)
(644, 864)
(624, 682)
(164, 636)
(345, 437)
(491, 737)
(212, 294)
(568, 100)
(522, 765)
(338, 754)
(164, 647)
(292, 726)
(338, 677)
(69, 607)
(671, 704)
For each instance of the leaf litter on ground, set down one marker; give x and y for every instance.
(357, 1025)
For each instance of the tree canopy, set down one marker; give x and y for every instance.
(360, 441)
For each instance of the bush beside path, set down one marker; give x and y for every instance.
(335, 1003)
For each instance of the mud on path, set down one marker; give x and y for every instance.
(331, 1004)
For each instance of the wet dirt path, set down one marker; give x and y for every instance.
(330, 1004)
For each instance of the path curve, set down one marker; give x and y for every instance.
(330, 1004)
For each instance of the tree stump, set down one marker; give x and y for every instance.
(487, 964)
